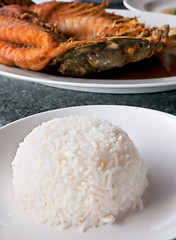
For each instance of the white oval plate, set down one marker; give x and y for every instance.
(149, 5)
(154, 134)
(100, 85)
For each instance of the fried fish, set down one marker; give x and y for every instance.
(73, 38)
(16, 2)
(86, 21)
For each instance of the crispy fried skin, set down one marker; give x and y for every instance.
(23, 13)
(16, 2)
(25, 33)
(25, 44)
(86, 21)
(26, 40)
(30, 38)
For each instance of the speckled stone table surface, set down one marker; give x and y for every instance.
(20, 99)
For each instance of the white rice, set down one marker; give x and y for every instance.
(78, 171)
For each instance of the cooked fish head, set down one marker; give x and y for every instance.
(95, 56)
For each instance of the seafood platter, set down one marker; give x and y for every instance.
(82, 45)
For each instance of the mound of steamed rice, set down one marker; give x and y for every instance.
(78, 171)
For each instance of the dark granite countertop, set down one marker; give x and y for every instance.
(20, 99)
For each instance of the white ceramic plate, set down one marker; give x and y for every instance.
(100, 85)
(149, 5)
(154, 134)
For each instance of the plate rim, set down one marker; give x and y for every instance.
(136, 108)
(127, 4)
(131, 8)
